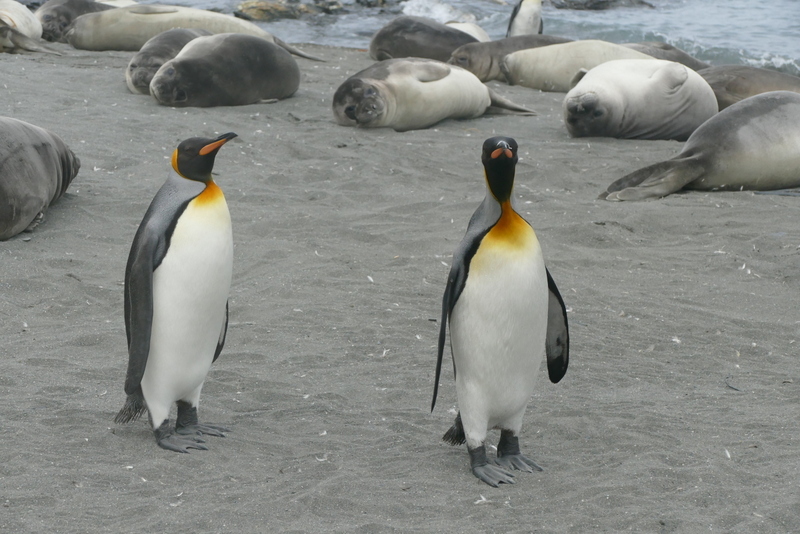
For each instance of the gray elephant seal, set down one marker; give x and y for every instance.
(37, 169)
(551, 68)
(57, 15)
(408, 36)
(732, 83)
(129, 28)
(666, 51)
(155, 52)
(526, 18)
(638, 99)
(483, 59)
(413, 93)
(227, 69)
(753, 144)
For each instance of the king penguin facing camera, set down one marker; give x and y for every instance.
(177, 283)
(505, 315)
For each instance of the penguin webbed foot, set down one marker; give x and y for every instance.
(168, 439)
(510, 457)
(489, 473)
(188, 424)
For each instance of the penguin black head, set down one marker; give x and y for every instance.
(194, 157)
(499, 162)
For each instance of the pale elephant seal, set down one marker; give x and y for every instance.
(551, 68)
(226, 69)
(666, 51)
(129, 28)
(732, 83)
(526, 18)
(639, 99)
(483, 59)
(470, 28)
(19, 29)
(413, 93)
(57, 15)
(155, 52)
(754, 144)
(37, 168)
(408, 36)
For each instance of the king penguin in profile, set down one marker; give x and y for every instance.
(505, 313)
(177, 282)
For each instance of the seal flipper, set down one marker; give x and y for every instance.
(655, 181)
(502, 106)
(14, 40)
(295, 51)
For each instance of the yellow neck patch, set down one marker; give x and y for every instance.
(511, 230)
(212, 193)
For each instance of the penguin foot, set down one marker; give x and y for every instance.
(491, 474)
(187, 423)
(509, 456)
(167, 439)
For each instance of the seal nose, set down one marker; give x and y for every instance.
(584, 104)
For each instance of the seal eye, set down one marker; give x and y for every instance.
(598, 113)
(462, 60)
(369, 92)
(350, 111)
(170, 71)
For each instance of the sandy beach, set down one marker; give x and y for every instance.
(678, 413)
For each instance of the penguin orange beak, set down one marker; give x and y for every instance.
(218, 142)
(500, 151)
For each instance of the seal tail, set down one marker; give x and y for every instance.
(501, 106)
(297, 52)
(655, 181)
(133, 409)
(455, 436)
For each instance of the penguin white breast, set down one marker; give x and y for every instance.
(499, 323)
(190, 292)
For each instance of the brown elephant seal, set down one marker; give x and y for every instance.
(37, 169)
(551, 68)
(732, 83)
(57, 15)
(666, 51)
(129, 28)
(526, 18)
(226, 69)
(407, 36)
(483, 59)
(638, 99)
(753, 144)
(154, 53)
(414, 93)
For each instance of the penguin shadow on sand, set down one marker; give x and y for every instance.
(177, 282)
(505, 315)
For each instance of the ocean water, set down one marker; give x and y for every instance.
(764, 34)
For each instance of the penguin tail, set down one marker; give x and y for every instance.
(133, 409)
(455, 436)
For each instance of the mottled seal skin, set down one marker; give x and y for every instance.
(414, 93)
(483, 59)
(639, 99)
(408, 36)
(753, 144)
(732, 83)
(227, 69)
(155, 52)
(37, 167)
(666, 51)
(56, 16)
(551, 68)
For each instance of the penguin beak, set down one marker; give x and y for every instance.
(502, 149)
(217, 143)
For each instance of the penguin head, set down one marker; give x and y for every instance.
(499, 161)
(194, 157)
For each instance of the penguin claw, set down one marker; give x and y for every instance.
(200, 428)
(518, 462)
(493, 475)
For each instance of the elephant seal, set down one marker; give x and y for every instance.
(19, 29)
(483, 59)
(470, 28)
(129, 28)
(753, 144)
(57, 15)
(408, 36)
(37, 169)
(414, 93)
(638, 99)
(551, 68)
(732, 83)
(526, 18)
(666, 51)
(226, 69)
(155, 52)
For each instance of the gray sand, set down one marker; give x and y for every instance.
(678, 413)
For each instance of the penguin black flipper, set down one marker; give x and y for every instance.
(222, 335)
(557, 340)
